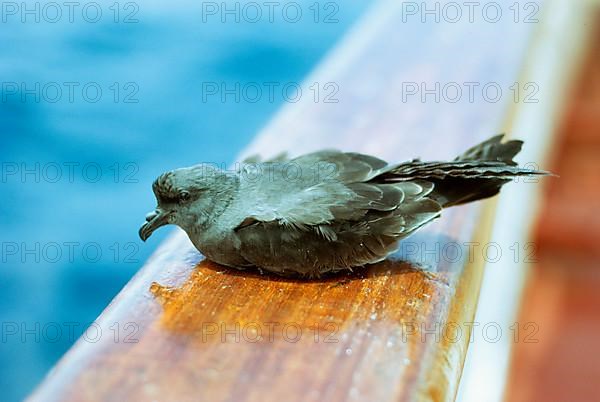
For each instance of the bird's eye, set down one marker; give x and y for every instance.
(184, 196)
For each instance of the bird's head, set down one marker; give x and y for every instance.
(188, 198)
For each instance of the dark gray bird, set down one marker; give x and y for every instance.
(325, 211)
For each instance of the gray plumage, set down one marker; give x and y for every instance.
(325, 211)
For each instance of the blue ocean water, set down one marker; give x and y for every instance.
(97, 100)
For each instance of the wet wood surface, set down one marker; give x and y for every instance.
(185, 329)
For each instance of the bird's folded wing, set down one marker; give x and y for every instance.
(328, 186)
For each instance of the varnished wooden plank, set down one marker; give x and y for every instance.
(194, 326)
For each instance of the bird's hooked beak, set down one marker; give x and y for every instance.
(154, 220)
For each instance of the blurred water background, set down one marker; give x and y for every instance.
(77, 164)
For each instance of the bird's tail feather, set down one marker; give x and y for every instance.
(493, 150)
(478, 173)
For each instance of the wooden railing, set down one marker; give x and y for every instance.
(185, 329)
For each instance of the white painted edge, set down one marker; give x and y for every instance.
(555, 55)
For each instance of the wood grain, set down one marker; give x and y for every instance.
(190, 330)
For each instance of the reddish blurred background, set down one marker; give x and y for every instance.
(563, 293)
